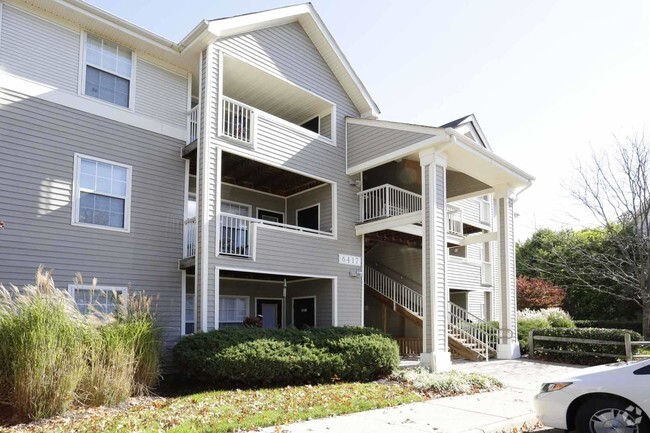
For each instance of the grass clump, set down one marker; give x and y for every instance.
(42, 350)
(51, 355)
(447, 383)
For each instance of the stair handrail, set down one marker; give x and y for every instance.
(481, 331)
(387, 270)
(397, 292)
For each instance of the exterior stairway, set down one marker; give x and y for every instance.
(469, 336)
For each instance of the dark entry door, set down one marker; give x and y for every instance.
(271, 312)
(304, 313)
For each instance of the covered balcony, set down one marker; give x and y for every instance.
(258, 106)
(257, 196)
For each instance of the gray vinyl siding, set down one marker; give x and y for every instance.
(161, 94)
(463, 274)
(38, 140)
(252, 289)
(322, 196)
(257, 200)
(326, 126)
(476, 304)
(39, 50)
(368, 142)
(470, 208)
(401, 263)
(286, 51)
(321, 288)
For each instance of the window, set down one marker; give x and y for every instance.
(458, 251)
(98, 298)
(190, 310)
(108, 71)
(233, 309)
(309, 217)
(269, 215)
(101, 193)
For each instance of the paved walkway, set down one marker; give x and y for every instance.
(487, 412)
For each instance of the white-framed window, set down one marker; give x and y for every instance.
(108, 71)
(103, 299)
(101, 194)
(459, 251)
(233, 309)
(190, 305)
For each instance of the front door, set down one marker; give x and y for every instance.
(271, 312)
(304, 312)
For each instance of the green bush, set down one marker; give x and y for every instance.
(611, 324)
(560, 319)
(253, 356)
(579, 350)
(42, 350)
(524, 326)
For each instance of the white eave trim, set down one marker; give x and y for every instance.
(399, 126)
(255, 21)
(472, 146)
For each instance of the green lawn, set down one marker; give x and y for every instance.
(226, 411)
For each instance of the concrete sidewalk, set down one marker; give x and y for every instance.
(494, 411)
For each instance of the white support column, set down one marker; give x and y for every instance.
(434, 262)
(508, 347)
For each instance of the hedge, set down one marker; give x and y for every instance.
(583, 333)
(610, 324)
(272, 357)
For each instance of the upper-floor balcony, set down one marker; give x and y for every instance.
(256, 105)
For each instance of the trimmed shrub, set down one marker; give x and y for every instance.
(610, 324)
(254, 356)
(560, 319)
(573, 348)
(524, 326)
(42, 350)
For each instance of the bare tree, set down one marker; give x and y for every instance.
(615, 187)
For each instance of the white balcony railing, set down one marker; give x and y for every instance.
(236, 233)
(189, 237)
(394, 290)
(237, 120)
(235, 236)
(486, 274)
(387, 201)
(193, 116)
(484, 211)
(454, 220)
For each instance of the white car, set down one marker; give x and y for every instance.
(607, 398)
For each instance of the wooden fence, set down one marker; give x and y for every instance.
(627, 342)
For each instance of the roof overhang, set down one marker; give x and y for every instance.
(306, 15)
(463, 154)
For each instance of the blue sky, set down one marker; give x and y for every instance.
(547, 80)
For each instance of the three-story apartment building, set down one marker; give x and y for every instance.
(243, 172)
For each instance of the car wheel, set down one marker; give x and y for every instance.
(610, 415)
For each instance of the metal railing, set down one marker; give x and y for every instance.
(454, 220)
(387, 201)
(237, 120)
(193, 132)
(487, 277)
(235, 235)
(398, 293)
(189, 237)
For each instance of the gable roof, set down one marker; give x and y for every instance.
(205, 32)
(306, 15)
(469, 124)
